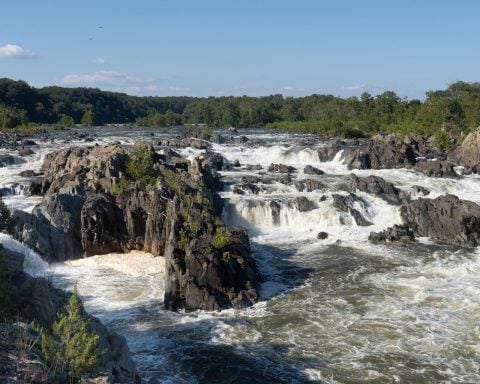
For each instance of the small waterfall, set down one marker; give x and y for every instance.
(33, 264)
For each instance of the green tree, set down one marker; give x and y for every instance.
(71, 346)
(88, 119)
(65, 121)
(140, 167)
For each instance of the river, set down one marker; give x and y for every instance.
(334, 310)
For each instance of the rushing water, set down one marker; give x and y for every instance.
(338, 310)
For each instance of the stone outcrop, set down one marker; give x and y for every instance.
(91, 205)
(311, 170)
(349, 204)
(468, 153)
(379, 187)
(398, 234)
(281, 168)
(436, 168)
(445, 219)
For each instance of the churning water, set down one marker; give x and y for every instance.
(337, 310)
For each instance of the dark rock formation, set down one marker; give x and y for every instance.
(310, 170)
(399, 234)
(347, 204)
(9, 160)
(419, 189)
(308, 185)
(468, 153)
(303, 204)
(390, 152)
(446, 219)
(281, 168)
(322, 235)
(91, 207)
(24, 151)
(243, 188)
(379, 187)
(436, 168)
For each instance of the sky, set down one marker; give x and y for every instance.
(242, 47)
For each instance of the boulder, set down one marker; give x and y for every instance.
(6, 160)
(303, 204)
(445, 219)
(310, 170)
(23, 151)
(390, 151)
(281, 168)
(436, 168)
(322, 235)
(379, 187)
(349, 204)
(421, 190)
(399, 234)
(468, 153)
(308, 185)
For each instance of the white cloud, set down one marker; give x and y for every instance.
(354, 87)
(121, 82)
(13, 51)
(100, 61)
(289, 88)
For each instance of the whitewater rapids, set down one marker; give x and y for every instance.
(334, 310)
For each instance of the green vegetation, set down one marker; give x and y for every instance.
(170, 179)
(70, 345)
(140, 167)
(65, 121)
(6, 310)
(221, 239)
(455, 110)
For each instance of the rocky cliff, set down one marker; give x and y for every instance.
(108, 199)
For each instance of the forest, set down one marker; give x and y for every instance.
(445, 113)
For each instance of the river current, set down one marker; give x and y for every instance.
(334, 310)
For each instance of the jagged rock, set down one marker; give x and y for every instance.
(328, 153)
(308, 185)
(379, 187)
(400, 234)
(89, 207)
(33, 188)
(281, 168)
(310, 170)
(322, 235)
(214, 160)
(207, 267)
(347, 204)
(445, 219)
(390, 152)
(468, 153)
(303, 204)
(241, 189)
(436, 168)
(419, 189)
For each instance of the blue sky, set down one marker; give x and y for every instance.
(226, 47)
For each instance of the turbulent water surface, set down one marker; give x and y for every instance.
(338, 310)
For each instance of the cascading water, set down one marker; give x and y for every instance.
(335, 310)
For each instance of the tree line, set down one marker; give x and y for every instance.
(453, 110)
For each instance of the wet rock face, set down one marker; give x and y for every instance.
(348, 204)
(310, 170)
(446, 219)
(281, 168)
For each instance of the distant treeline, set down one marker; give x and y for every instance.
(450, 111)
